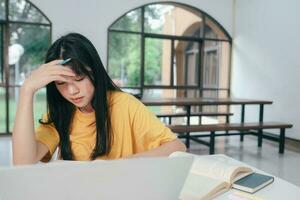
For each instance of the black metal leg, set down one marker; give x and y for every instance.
(259, 137)
(188, 112)
(242, 121)
(242, 137)
(281, 140)
(170, 120)
(227, 121)
(187, 140)
(212, 143)
(261, 119)
(261, 112)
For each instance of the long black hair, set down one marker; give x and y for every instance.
(84, 61)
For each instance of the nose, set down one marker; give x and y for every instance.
(72, 89)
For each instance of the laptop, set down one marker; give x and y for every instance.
(132, 179)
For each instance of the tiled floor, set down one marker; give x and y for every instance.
(266, 158)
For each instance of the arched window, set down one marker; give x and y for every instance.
(169, 46)
(171, 50)
(25, 36)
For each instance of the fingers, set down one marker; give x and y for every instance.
(58, 78)
(57, 69)
(58, 62)
(62, 72)
(53, 72)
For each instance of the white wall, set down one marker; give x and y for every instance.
(266, 58)
(93, 17)
(266, 45)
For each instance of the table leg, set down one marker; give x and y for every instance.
(227, 122)
(261, 112)
(242, 121)
(212, 143)
(260, 131)
(259, 137)
(188, 112)
(281, 140)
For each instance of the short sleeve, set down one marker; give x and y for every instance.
(149, 132)
(48, 135)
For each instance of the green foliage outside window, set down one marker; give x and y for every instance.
(124, 62)
(28, 29)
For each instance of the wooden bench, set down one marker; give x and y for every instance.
(195, 114)
(243, 128)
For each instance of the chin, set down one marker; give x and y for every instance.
(81, 105)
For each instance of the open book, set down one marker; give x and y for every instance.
(211, 175)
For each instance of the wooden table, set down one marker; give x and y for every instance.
(188, 102)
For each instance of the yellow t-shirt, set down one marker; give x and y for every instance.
(135, 129)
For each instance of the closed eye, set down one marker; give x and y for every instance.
(79, 78)
(59, 83)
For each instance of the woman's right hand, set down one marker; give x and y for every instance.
(45, 74)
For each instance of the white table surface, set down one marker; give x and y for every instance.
(278, 190)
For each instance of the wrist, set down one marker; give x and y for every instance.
(26, 89)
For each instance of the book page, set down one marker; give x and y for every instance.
(201, 187)
(217, 167)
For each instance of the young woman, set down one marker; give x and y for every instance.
(88, 116)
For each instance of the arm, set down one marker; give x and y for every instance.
(26, 150)
(164, 150)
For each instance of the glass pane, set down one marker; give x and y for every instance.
(2, 10)
(211, 68)
(172, 19)
(27, 50)
(134, 92)
(40, 105)
(13, 97)
(224, 63)
(21, 10)
(223, 93)
(224, 108)
(213, 31)
(124, 60)
(186, 63)
(216, 64)
(130, 22)
(210, 94)
(192, 62)
(157, 61)
(3, 109)
(1, 56)
(168, 93)
(160, 93)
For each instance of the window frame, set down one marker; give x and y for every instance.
(201, 39)
(5, 82)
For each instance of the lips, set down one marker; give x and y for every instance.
(76, 100)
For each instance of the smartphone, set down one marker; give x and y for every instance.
(253, 182)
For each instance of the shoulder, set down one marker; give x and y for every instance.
(121, 98)
(122, 103)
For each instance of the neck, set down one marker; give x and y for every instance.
(87, 109)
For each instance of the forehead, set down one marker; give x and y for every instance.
(80, 70)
